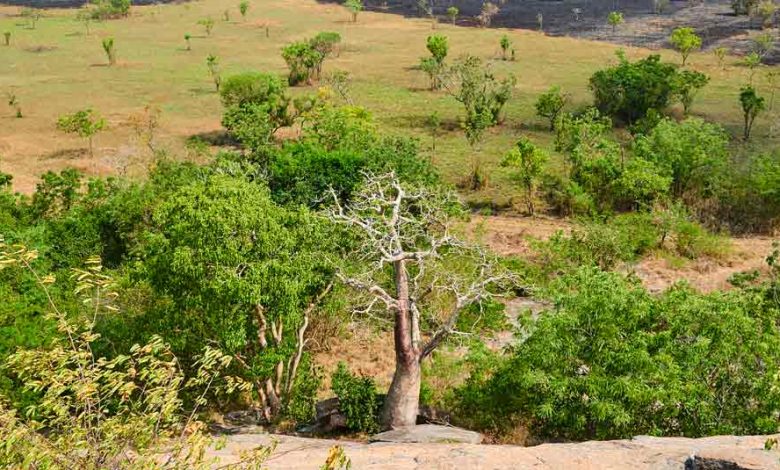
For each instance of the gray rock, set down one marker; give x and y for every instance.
(429, 434)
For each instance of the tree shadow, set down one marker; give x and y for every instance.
(65, 154)
(217, 138)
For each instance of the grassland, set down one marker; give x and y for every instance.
(57, 68)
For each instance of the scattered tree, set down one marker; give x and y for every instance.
(434, 66)
(550, 105)
(354, 7)
(13, 102)
(528, 161)
(615, 19)
(576, 12)
(85, 123)
(31, 15)
(752, 61)
(506, 48)
(187, 38)
(720, 54)
(452, 14)
(743, 7)
(406, 230)
(110, 50)
(752, 105)
(485, 17)
(685, 41)
(686, 85)
(7, 38)
(243, 7)
(433, 122)
(212, 63)
(762, 44)
(226, 15)
(540, 20)
(208, 24)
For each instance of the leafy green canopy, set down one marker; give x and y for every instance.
(612, 361)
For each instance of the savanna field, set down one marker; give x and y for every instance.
(247, 224)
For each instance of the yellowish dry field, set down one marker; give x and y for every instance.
(57, 68)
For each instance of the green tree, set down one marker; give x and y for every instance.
(687, 84)
(434, 66)
(452, 13)
(187, 38)
(692, 152)
(212, 63)
(256, 106)
(85, 123)
(506, 46)
(325, 43)
(752, 105)
(243, 7)
(110, 50)
(528, 161)
(402, 233)
(550, 105)
(685, 41)
(208, 24)
(241, 273)
(302, 60)
(629, 90)
(354, 7)
(615, 19)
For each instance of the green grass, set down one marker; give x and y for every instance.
(380, 51)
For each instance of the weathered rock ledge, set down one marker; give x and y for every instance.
(712, 453)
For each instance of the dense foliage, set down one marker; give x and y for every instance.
(613, 361)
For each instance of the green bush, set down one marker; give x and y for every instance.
(629, 90)
(358, 399)
(612, 361)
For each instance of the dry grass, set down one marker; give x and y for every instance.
(380, 52)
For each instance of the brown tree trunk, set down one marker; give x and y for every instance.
(403, 398)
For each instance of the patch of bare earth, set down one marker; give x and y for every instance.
(513, 236)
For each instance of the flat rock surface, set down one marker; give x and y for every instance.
(429, 434)
(639, 453)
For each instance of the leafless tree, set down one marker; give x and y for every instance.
(414, 268)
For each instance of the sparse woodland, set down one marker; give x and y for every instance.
(136, 308)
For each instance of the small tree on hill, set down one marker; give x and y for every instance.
(528, 160)
(434, 66)
(187, 38)
(752, 106)
(685, 41)
(686, 85)
(32, 15)
(550, 105)
(85, 123)
(243, 8)
(720, 54)
(452, 14)
(506, 46)
(7, 38)
(354, 7)
(615, 19)
(13, 102)
(413, 263)
(110, 50)
(212, 63)
(208, 24)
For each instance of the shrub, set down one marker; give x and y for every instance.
(631, 89)
(7, 38)
(358, 399)
(256, 105)
(752, 105)
(686, 85)
(243, 8)
(108, 9)
(613, 361)
(743, 7)
(302, 60)
(208, 24)
(528, 162)
(550, 105)
(506, 46)
(690, 152)
(486, 14)
(85, 123)
(685, 41)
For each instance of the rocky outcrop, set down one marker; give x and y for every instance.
(429, 434)
(640, 453)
